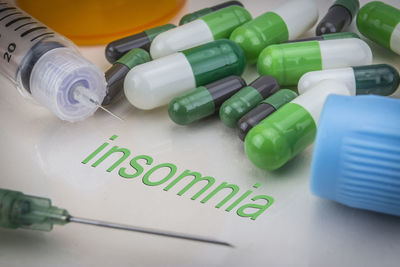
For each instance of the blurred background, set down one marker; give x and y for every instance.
(93, 22)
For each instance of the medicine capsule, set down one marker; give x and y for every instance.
(380, 79)
(246, 99)
(339, 15)
(155, 83)
(263, 110)
(204, 100)
(288, 62)
(214, 26)
(202, 12)
(116, 74)
(329, 36)
(380, 23)
(290, 129)
(275, 27)
(116, 49)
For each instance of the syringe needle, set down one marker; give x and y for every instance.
(37, 213)
(81, 94)
(109, 112)
(146, 230)
(106, 110)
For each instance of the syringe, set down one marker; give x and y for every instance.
(18, 210)
(47, 66)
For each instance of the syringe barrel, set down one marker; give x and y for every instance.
(24, 43)
(20, 34)
(22, 211)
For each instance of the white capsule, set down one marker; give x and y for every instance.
(296, 24)
(342, 53)
(310, 79)
(155, 83)
(186, 36)
(313, 100)
(395, 39)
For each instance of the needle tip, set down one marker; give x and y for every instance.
(224, 244)
(109, 112)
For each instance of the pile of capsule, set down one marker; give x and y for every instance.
(195, 68)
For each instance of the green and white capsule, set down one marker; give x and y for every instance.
(290, 129)
(246, 99)
(380, 79)
(287, 22)
(203, 101)
(380, 23)
(263, 110)
(214, 26)
(155, 83)
(202, 12)
(288, 62)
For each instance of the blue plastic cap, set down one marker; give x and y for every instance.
(356, 158)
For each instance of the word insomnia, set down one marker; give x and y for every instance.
(166, 174)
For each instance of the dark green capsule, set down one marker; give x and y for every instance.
(116, 74)
(215, 60)
(246, 99)
(116, 49)
(204, 100)
(199, 13)
(379, 79)
(263, 110)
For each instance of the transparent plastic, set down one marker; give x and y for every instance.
(78, 84)
(47, 66)
(22, 211)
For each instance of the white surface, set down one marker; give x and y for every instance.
(296, 24)
(183, 37)
(42, 155)
(395, 39)
(313, 99)
(155, 83)
(341, 53)
(310, 79)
